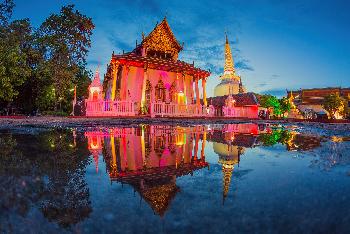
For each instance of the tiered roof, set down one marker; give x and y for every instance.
(132, 59)
(159, 50)
(159, 188)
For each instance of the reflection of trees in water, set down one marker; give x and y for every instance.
(276, 136)
(292, 140)
(47, 171)
(19, 187)
(334, 151)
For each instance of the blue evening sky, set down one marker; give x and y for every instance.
(277, 45)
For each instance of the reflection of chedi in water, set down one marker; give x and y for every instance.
(229, 145)
(150, 159)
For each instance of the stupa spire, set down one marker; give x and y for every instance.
(227, 170)
(229, 64)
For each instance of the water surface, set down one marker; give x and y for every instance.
(172, 179)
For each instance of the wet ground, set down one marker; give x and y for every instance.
(216, 178)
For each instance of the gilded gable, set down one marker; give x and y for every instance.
(161, 42)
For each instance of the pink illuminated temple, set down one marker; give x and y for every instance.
(151, 81)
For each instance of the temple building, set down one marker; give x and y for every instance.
(230, 83)
(150, 80)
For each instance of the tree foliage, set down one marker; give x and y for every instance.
(333, 103)
(40, 67)
(14, 42)
(65, 39)
(279, 106)
(6, 9)
(269, 101)
(285, 105)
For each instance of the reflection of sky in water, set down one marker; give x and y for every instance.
(271, 190)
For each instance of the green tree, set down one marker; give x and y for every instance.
(40, 67)
(6, 10)
(65, 38)
(14, 69)
(269, 101)
(333, 103)
(284, 105)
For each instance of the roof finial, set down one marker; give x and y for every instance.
(143, 35)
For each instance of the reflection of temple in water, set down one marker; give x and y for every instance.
(229, 143)
(150, 158)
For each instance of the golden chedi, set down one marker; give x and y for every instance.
(230, 82)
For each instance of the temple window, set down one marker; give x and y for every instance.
(160, 91)
(148, 91)
(159, 145)
(148, 142)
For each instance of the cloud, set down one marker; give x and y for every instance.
(276, 92)
(261, 85)
(275, 76)
(244, 65)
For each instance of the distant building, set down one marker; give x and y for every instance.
(312, 99)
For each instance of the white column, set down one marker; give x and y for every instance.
(204, 84)
(114, 80)
(143, 94)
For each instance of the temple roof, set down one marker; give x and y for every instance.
(136, 60)
(159, 188)
(160, 196)
(242, 99)
(161, 37)
(96, 81)
(159, 50)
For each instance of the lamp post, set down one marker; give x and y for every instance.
(75, 98)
